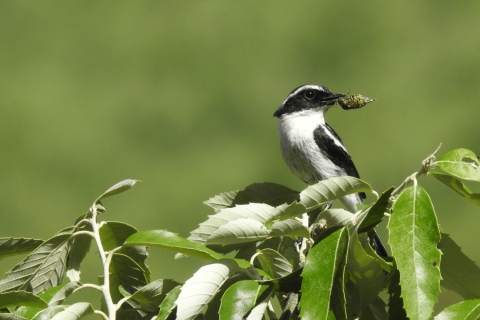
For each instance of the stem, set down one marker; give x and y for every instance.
(100, 313)
(112, 309)
(88, 285)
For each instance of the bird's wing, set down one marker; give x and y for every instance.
(332, 147)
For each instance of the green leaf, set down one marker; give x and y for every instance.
(376, 311)
(80, 245)
(289, 283)
(461, 163)
(43, 268)
(10, 316)
(323, 262)
(256, 211)
(125, 271)
(216, 301)
(239, 299)
(14, 246)
(270, 193)
(457, 186)
(290, 227)
(202, 286)
(152, 295)
(460, 274)
(21, 298)
(335, 217)
(113, 234)
(49, 312)
(168, 304)
(163, 239)
(376, 212)
(395, 302)
(465, 310)
(75, 312)
(239, 231)
(414, 236)
(63, 293)
(274, 263)
(318, 194)
(120, 187)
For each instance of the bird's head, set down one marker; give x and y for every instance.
(308, 97)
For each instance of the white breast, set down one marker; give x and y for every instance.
(299, 150)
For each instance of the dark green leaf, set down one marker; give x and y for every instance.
(125, 271)
(465, 310)
(43, 268)
(414, 236)
(376, 311)
(290, 283)
(318, 194)
(120, 187)
(238, 300)
(460, 274)
(113, 234)
(274, 263)
(376, 212)
(168, 304)
(21, 298)
(15, 246)
(323, 262)
(458, 187)
(395, 302)
(460, 163)
(79, 248)
(152, 295)
(270, 193)
(75, 312)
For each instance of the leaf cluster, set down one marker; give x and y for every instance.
(264, 243)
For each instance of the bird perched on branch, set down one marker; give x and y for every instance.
(311, 149)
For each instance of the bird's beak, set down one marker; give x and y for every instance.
(334, 96)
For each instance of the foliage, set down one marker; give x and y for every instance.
(264, 243)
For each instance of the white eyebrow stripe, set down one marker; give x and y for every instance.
(307, 86)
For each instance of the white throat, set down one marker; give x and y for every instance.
(300, 125)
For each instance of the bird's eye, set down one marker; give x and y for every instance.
(309, 94)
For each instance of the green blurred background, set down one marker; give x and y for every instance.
(181, 96)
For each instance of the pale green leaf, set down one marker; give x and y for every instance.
(239, 231)
(49, 312)
(21, 298)
(465, 310)
(461, 163)
(335, 217)
(238, 300)
(168, 304)
(414, 235)
(120, 187)
(258, 311)
(458, 187)
(202, 286)
(43, 268)
(459, 273)
(267, 192)
(80, 245)
(216, 301)
(274, 263)
(75, 312)
(289, 227)
(256, 211)
(318, 194)
(15, 246)
(323, 262)
(10, 316)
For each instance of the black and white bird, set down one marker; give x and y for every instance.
(311, 149)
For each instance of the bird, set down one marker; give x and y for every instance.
(312, 150)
